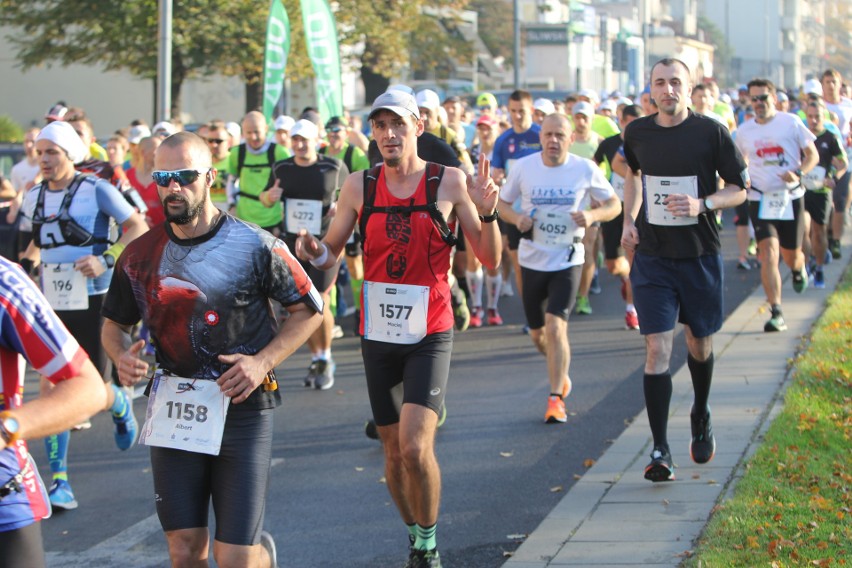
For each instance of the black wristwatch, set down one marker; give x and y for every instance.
(490, 218)
(109, 260)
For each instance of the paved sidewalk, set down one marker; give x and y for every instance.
(614, 517)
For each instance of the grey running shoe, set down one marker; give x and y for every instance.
(268, 543)
(324, 378)
(661, 467)
(800, 281)
(702, 446)
(312, 374)
(775, 323)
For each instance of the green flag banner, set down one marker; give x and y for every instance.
(321, 39)
(275, 57)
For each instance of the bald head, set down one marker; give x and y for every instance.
(255, 129)
(182, 151)
(557, 120)
(555, 139)
(147, 147)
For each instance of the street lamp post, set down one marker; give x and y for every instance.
(164, 62)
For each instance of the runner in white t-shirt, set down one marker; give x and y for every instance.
(555, 189)
(779, 149)
(842, 107)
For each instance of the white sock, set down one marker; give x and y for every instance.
(493, 285)
(474, 285)
(631, 308)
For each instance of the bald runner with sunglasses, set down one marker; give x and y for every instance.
(203, 283)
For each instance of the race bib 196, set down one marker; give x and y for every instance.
(395, 313)
(185, 414)
(64, 287)
(304, 214)
(656, 191)
(776, 206)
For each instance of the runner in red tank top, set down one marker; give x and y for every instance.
(407, 319)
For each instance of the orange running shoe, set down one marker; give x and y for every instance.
(555, 411)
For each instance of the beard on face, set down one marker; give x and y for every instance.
(393, 162)
(189, 213)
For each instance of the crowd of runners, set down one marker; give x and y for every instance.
(199, 261)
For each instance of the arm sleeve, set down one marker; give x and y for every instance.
(288, 283)
(111, 202)
(511, 190)
(497, 158)
(120, 303)
(629, 156)
(599, 187)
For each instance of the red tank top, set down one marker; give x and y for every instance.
(407, 249)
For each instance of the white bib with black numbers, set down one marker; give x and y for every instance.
(185, 414)
(554, 229)
(814, 180)
(617, 183)
(304, 214)
(64, 287)
(658, 188)
(395, 313)
(776, 206)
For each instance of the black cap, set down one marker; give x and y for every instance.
(336, 121)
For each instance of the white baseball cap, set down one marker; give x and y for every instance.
(813, 86)
(304, 128)
(583, 107)
(427, 98)
(589, 94)
(398, 102)
(284, 122)
(544, 105)
(164, 128)
(137, 133)
(609, 105)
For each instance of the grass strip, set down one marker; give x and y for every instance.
(793, 507)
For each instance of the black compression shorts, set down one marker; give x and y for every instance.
(237, 480)
(741, 215)
(611, 233)
(788, 233)
(399, 374)
(549, 292)
(841, 193)
(22, 547)
(85, 326)
(818, 206)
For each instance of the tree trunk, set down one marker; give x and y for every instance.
(374, 83)
(254, 95)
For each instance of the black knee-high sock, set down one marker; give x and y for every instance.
(658, 395)
(702, 376)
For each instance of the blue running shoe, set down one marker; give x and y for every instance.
(126, 428)
(61, 496)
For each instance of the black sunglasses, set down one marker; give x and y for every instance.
(215, 141)
(182, 177)
(760, 98)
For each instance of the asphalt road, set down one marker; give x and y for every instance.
(503, 468)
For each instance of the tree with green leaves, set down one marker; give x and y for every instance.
(223, 36)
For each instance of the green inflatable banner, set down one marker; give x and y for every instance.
(275, 57)
(321, 39)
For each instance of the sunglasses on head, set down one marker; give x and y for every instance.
(182, 177)
(215, 141)
(335, 129)
(760, 98)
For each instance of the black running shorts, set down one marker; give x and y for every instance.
(818, 205)
(788, 233)
(549, 292)
(237, 480)
(22, 547)
(412, 374)
(611, 232)
(840, 195)
(685, 290)
(741, 215)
